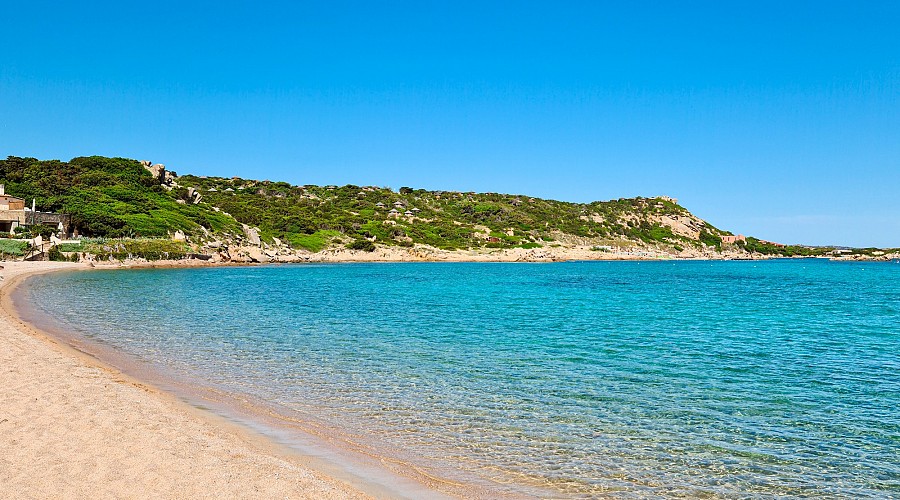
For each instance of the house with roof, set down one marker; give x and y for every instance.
(733, 239)
(13, 214)
(12, 211)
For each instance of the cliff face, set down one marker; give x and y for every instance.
(240, 219)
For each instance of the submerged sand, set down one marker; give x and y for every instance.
(70, 427)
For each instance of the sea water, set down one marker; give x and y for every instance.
(777, 378)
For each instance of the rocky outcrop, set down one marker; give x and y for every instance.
(166, 178)
(681, 225)
(194, 196)
(252, 235)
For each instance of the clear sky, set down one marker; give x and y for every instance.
(774, 119)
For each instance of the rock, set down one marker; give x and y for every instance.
(179, 236)
(158, 171)
(252, 235)
(256, 255)
(194, 195)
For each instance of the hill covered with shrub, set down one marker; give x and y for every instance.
(107, 197)
(118, 197)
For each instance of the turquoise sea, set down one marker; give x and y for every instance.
(715, 379)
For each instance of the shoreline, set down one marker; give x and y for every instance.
(422, 253)
(53, 389)
(66, 411)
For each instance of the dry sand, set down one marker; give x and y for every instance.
(71, 427)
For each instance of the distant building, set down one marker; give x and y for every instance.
(14, 214)
(733, 239)
(668, 198)
(12, 211)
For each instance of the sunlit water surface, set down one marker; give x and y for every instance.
(636, 378)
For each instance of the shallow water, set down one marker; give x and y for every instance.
(688, 379)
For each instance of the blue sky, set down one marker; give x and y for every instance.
(774, 119)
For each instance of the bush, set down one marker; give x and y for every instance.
(12, 248)
(55, 254)
(69, 247)
(710, 239)
(146, 248)
(315, 242)
(41, 229)
(364, 245)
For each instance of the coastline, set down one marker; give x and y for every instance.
(75, 425)
(423, 253)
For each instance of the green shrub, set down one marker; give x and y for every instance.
(710, 239)
(142, 248)
(55, 254)
(40, 230)
(364, 245)
(314, 242)
(12, 248)
(69, 247)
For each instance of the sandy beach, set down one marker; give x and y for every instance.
(71, 427)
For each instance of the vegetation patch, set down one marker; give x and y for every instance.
(12, 248)
(70, 247)
(119, 198)
(315, 242)
(142, 248)
(364, 245)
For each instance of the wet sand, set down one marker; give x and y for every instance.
(73, 427)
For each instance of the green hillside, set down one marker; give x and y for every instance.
(108, 197)
(117, 197)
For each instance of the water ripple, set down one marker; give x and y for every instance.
(639, 379)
